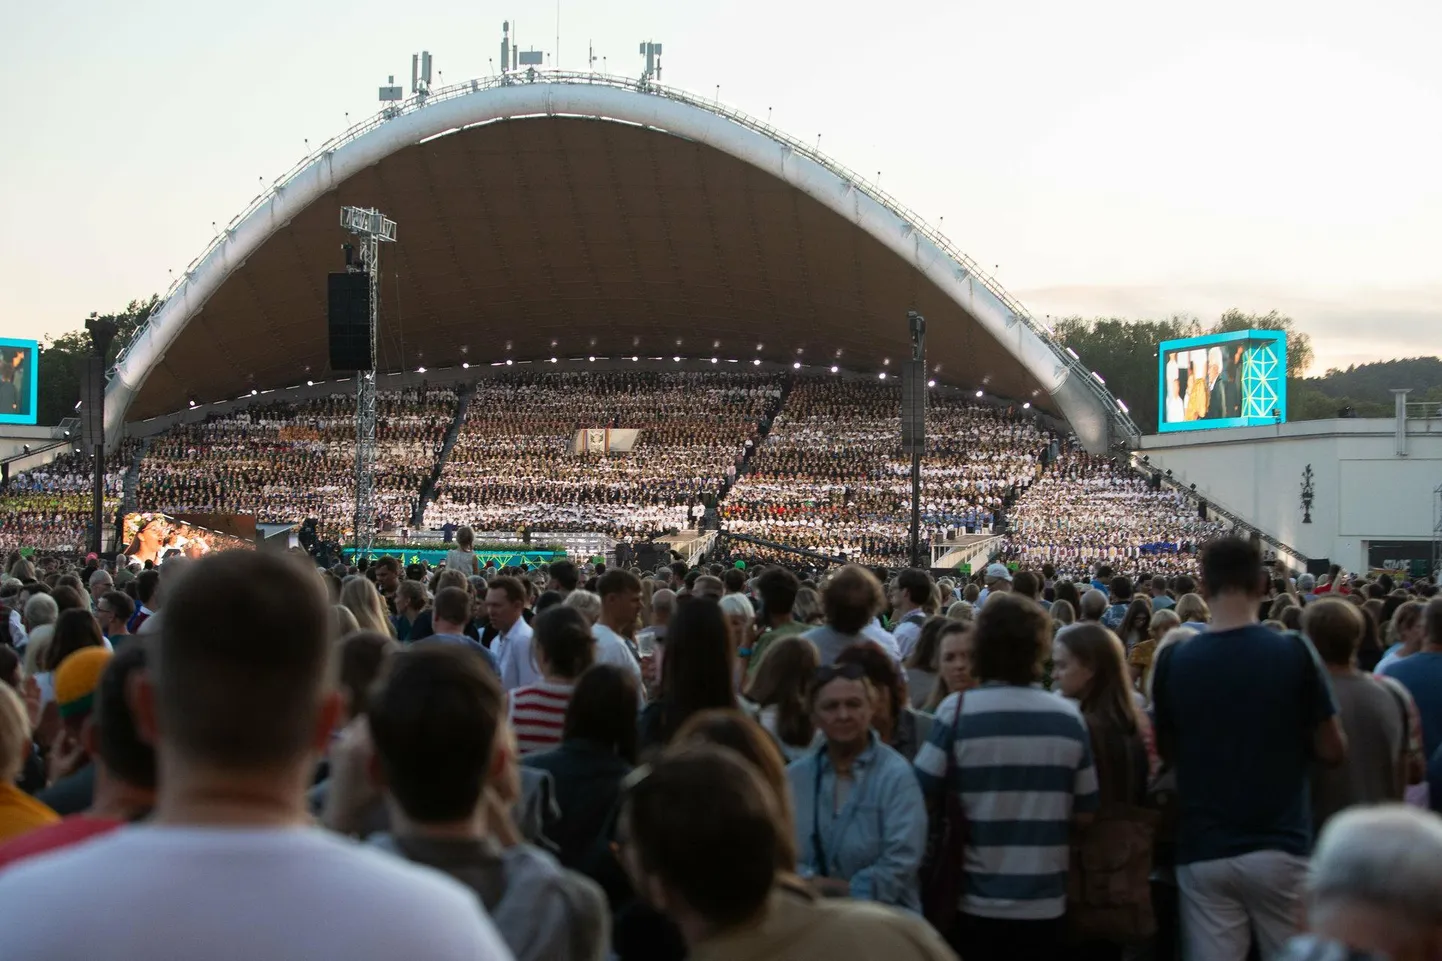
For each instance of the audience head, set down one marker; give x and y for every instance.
(1232, 565)
(1375, 882)
(620, 593)
(75, 630)
(851, 599)
(359, 596)
(565, 578)
(434, 719)
(362, 656)
(237, 683)
(122, 752)
(1089, 665)
(451, 611)
(700, 838)
(505, 602)
(603, 711)
(587, 603)
(663, 606)
(1093, 605)
(777, 588)
(1010, 640)
(562, 643)
(730, 728)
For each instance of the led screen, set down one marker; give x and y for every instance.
(1237, 379)
(19, 364)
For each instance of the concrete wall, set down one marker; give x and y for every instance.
(1363, 489)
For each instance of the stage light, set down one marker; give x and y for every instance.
(1123, 405)
(834, 368)
(978, 393)
(634, 358)
(509, 362)
(553, 360)
(757, 362)
(886, 361)
(1026, 406)
(713, 360)
(253, 392)
(1099, 378)
(883, 375)
(931, 383)
(591, 359)
(758, 346)
(796, 365)
(310, 383)
(465, 365)
(676, 359)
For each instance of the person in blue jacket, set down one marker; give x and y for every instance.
(860, 815)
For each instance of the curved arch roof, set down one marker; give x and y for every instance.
(586, 217)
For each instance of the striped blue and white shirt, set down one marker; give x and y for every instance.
(1023, 769)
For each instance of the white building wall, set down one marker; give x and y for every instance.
(1363, 489)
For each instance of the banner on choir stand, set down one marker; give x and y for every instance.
(604, 440)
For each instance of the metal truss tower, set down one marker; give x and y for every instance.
(372, 227)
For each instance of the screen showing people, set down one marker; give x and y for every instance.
(17, 381)
(1227, 380)
(158, 537)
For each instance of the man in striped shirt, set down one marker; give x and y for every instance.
(1021, 761)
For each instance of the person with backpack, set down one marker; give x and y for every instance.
(911, 593)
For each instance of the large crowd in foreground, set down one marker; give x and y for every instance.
(804, 461)
(252, 757)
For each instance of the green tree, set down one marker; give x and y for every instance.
(59, 384)
(1299, 345)
(1124, 353)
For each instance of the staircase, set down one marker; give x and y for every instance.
(428, 490)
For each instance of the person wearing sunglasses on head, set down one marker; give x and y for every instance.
(860, 815)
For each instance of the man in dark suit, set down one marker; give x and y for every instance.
(1217, 393)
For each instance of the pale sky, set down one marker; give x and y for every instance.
(1117, 157)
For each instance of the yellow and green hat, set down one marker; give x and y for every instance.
(76, 679)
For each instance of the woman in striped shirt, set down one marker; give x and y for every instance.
(563, 648)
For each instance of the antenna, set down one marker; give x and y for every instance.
(590, 56)
(652, 53)
(389, 94)
(557, 62)
(505, 46)
(421, 74)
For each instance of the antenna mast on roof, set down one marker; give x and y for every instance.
(421, 75)
(652, 53)
(392, 95)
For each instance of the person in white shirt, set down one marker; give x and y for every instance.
(911, 590)
(505, 604)
(620, 605)
(228, 868)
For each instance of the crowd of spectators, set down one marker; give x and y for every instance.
(582, 762)
(49, 507)
(513, 468)
(832, 477)
(282, 462)
(1087, 510)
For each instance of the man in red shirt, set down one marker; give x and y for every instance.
(124, 768)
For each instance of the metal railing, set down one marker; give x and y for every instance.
(1120, 418)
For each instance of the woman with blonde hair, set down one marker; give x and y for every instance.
(359, 596)
(342, 622)
(19, 812)
(1194, 612)
(1062, 615)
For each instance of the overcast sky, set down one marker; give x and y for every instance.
(1117, 157)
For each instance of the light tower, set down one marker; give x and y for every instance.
(372, 227)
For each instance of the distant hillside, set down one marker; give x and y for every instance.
(1366, 388)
